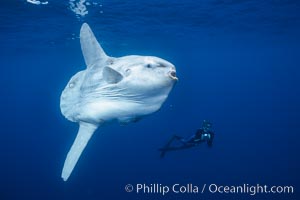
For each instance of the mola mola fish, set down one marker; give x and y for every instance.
(123, 89)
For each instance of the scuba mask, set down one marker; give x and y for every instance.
(206, 126)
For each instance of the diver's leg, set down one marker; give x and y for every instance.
(175, 137)
(166, 147)
(183, 141)
(184, 146)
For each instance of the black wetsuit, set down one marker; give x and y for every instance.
(199, 137)
(202, 136)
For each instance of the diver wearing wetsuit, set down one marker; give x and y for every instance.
(205, 134)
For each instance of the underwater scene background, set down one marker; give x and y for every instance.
(238, 67)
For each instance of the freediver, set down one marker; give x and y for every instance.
(204, 134)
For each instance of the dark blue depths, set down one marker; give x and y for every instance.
(238, 66)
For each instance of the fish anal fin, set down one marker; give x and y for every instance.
(84, 134)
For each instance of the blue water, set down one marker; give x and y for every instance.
(238, 66)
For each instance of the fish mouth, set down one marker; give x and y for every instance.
(172, 75)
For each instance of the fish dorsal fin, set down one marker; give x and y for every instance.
(91, 49)
(111, 76)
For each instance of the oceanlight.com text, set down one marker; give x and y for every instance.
(250, 189)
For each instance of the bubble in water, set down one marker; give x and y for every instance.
(36, 2)
(79, 7)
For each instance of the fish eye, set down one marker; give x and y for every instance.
(148, 65)
(71, 85)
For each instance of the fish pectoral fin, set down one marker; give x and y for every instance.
(111, 76)
(84, 134)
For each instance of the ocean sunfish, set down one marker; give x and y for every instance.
(124, 89)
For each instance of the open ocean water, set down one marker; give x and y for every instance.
(238, 64)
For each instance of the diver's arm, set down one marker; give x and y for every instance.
(210, 141)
